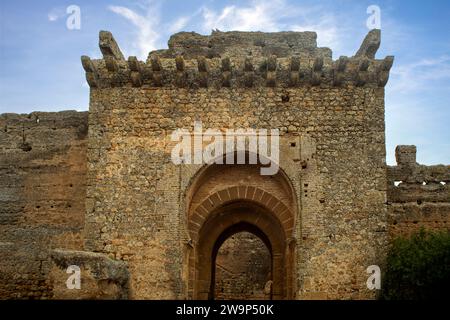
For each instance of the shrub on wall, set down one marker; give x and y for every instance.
(418, 267)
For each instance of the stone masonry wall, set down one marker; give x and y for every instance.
(42, 195)
(114, 200)
(418, 195)
(243, 266)
(134, 198)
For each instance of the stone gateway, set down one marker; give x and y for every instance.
(98, 189)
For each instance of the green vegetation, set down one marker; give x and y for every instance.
(418, 267)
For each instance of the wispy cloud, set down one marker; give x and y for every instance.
(328, 33)
(147, 34)
(56, 14)
(333, 31)
(259, 15)
(275, 16)
(420, 74)
(179, 24)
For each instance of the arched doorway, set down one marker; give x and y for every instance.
(226, 199)
(242, 268)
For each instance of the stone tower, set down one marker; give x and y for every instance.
(99, 191)
(323, 215)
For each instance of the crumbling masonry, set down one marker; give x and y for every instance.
(98, 189)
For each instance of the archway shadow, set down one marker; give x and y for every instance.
(234, 229)
(232, 218)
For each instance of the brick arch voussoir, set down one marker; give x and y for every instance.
(200, 214)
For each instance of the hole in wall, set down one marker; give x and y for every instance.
(293, 144)
(419, 202)
(285, 97)
(25, 146)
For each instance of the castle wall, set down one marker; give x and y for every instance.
(42, 195)
(135, 197)
(242, 268)
(418, 195)
(331, 118)
(114, 200)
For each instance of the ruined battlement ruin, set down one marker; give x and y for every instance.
(98, 189)
(239, 59)
(418, 196)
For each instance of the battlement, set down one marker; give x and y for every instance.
(417, 195)
(409, 181)
(239, 59)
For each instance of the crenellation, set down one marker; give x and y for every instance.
(264, 69)
(370, 45)
(108, 46)
(101, 185)
(166, 72)
(418, 195)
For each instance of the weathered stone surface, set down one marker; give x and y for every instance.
(253, 59)
(236, 43)
(42, 193)
(243, 268)
(370, 45)
(102, 187)
(108, 46)
(102, 277)
(418, 195)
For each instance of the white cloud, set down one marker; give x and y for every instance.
(56, 14)
(333, 31)
(275, 16)
(52, 17)
(259, 16)
(179, 24)
(328, 34)
(419, 74)
(147, 33)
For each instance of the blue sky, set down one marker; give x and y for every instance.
(40, 67)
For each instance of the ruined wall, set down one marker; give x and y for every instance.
(42, 196)
(330, 112)
(137, 239)
(243, 267)
(418, 195)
